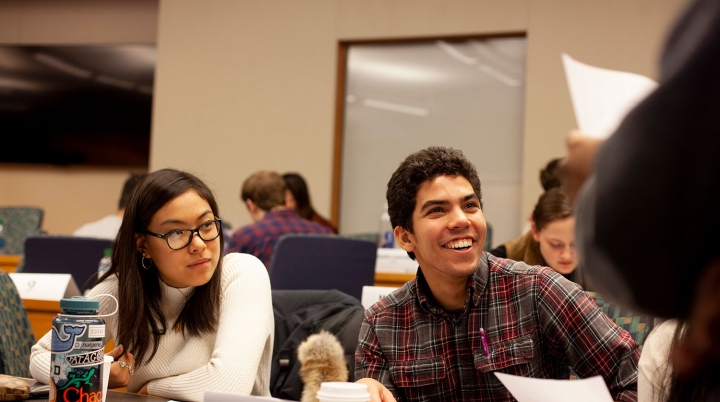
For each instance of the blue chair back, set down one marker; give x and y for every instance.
(638, 325)
(78, 256)
(311, 261)
(19, 223)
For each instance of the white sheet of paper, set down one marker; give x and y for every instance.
(371, 294)
(215, 396)
(395, 261)
(525, 389)
(601, 97)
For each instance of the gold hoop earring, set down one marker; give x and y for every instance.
(142, 262)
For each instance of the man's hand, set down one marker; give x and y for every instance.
(378, 392)
(120, 376)
(578, 164)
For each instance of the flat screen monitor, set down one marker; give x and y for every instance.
(76, 105)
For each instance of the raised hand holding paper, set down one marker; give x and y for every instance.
(601, 98)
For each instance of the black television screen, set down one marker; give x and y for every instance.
(69, 105)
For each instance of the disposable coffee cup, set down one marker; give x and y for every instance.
(106, 375)
(343, 392)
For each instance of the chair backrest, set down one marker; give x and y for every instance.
(299, 314)
(638, 325)
(78, 256)
(311, 261)
(19, 223)
(16, 336)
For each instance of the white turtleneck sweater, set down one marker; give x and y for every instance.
(235, 359)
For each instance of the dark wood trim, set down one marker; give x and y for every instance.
(417, 39)
(339, 125)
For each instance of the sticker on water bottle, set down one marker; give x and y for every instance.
(96, 331)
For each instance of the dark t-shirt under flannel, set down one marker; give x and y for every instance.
(537, 324)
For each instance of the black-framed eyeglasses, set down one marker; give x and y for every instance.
(181, 238)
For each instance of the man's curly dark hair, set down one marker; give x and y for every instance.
(417, 168)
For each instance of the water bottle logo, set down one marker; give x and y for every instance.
(61, 346)
(86, 359)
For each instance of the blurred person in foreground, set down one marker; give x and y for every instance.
(468, 314)
(298, 199)
(648, 216)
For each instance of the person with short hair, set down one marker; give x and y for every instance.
(551, 174)
(264, 194)
(187, 320)
(468, 314)
(107, 227)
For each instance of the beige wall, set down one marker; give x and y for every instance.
(249, 85)
(617, 34)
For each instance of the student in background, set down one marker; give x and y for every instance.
(298, 198)
(107, 227)
(551, 174)
(188, 320)
(468, 314)
(264, 195)
(550, 177)
(551, 239)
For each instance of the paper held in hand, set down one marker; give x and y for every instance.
(601, 97)
(524, 389)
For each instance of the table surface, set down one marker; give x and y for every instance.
(117, 396)
(8, 263)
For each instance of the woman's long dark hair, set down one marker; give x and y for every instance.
(297, 186)
(141, 321)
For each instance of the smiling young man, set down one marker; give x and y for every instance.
(469, 314)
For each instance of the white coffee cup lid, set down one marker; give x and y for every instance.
(343, 391)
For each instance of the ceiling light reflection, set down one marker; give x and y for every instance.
(499, 76)
(61, 65)
(115, 82)
(395, 72)
(396, 107)
(455, 54)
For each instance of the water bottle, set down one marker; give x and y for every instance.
(2, 237)
(386, 238)
(105, 262)
(77, 352)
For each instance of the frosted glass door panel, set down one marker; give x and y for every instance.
(401, 98)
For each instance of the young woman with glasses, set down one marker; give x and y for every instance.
(188, 320)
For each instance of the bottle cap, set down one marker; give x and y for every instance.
(108, 252)
(79, 303)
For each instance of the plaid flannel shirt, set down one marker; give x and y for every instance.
(259, 238)
(537, 324)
